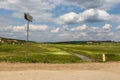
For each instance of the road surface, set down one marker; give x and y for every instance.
(80, 71)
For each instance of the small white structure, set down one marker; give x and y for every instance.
(103, 57)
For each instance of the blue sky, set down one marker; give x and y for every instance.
(63, 20)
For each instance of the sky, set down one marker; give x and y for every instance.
(61, 20)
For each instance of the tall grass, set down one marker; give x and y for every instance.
(58, 53)
(37, 53)
(94, 51)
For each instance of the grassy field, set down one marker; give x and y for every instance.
(94, 51)
(59, 53)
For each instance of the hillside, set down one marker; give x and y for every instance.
(12, 41)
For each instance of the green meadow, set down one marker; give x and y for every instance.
(59, 53)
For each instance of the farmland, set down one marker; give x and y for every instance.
(59, 53)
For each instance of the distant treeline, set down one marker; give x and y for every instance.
(18, 41)
(82, 42)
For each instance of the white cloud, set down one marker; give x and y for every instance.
(83, 27)
(43, 11)
(13, 1)
(107, 27)
(118, 27)
(94, 30)
(18, 28)
(38, 27)
(111, 34)
(46, 33)
(24, 5)
(23, 28)
(83, 34)
(55, 30)
(115, 18)
(80, 35)
(39, 9)
(5, 21)
(19, 32)
(86, 4)
(94, 15)
(64, 35)
(90, 15)
(69, 18)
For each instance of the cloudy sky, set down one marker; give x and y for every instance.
(61, 20)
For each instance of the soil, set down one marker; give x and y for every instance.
(77, 71)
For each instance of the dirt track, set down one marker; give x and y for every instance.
(81, 71)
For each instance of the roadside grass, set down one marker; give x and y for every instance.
(37, 53)
(94, 51)
(59, 53)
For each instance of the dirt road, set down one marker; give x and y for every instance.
(81, 71)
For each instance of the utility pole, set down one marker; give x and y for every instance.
(29, 18)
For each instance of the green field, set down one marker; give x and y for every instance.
(59, 53)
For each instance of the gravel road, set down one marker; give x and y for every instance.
(81, 71)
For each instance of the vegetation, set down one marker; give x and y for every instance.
(95, 51)
(37, 53)
(58, 52)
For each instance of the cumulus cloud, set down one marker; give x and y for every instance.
(24, 5)
(111, 34)
(55, 30)
(94, 15)
(107, 27)
(13, 1)
(118, 27)
(69, 18)
(5, 21)
(19, 32)
(82, 34)
(86, 4)
(18, 28)
(64, 35)
(115, 19)
(40, 9)
(83, 27)
(92, 33)
(90, 15)
(39, 27)
(22, 28)
(94, 30)
(43, 12)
